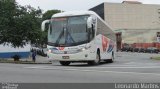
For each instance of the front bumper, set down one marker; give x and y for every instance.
(76, 57)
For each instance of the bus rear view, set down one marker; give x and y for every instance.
(74, 37)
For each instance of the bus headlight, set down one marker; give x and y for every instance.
(49, 50)
(87, 46)
(83, 49)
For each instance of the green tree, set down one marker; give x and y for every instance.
(19, 24)
(48, 14)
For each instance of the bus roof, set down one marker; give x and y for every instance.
(73, 13)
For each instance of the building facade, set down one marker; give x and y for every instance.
(132, 21)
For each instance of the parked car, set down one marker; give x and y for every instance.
(142, 50)
(127, 49)
(152, 50)
(130, 49)
(136, 49)
(40, 51)
(124, 49)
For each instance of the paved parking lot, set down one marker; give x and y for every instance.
(128, 67)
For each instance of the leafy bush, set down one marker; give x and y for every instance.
(16, 57)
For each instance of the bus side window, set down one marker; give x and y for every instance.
(97, 33)
(50, 28)
(93, 31)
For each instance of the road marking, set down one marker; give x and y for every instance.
(129, 67)
(99, 71)
(136, 63)
(107, 67)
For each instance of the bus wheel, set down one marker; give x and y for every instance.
(64, 63)
(112, 59)
(97, 61)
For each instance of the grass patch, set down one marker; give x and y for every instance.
(156, 58)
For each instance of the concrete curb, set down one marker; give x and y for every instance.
(24, 62)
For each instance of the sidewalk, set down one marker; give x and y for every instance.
(39, 59)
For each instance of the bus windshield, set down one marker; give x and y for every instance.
(68, 31)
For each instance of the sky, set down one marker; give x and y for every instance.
(70, 5)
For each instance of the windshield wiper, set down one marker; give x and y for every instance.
(60, 36)
(69, 38)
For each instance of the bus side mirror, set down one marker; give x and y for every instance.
(43, 25)
(89, 22)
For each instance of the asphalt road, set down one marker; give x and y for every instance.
(127, 68)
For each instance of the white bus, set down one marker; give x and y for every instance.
(79, 36)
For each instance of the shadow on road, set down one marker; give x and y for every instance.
(85, 64)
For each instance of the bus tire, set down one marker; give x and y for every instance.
(97, 61)
(112, 58)
(64, 63)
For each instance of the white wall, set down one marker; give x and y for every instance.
(9, 48)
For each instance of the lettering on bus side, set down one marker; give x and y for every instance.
(104, 43)
(111, 46)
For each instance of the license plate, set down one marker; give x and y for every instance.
(65, 57)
